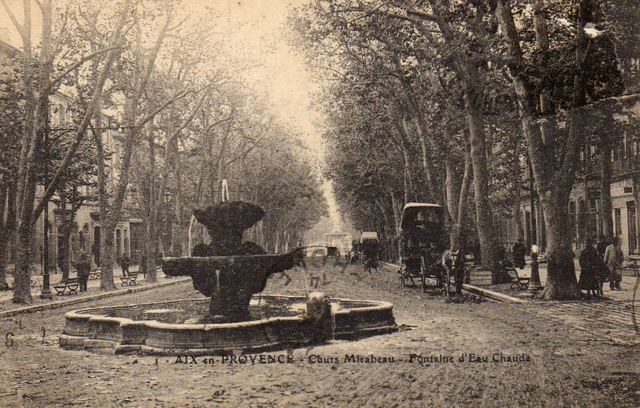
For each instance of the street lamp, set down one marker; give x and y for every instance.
(534, 281)
(46, 289)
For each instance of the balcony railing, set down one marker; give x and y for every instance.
(619, 168)
(625, 166)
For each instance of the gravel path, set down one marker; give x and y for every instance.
(443, 355)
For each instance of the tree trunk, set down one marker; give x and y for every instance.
(450, 191)
(4, 239)
(65, 233)
(36, 109)
(484, 214)
(561, 274)
(7, 232)
(516, 173)
(151, 247)
(397, 217)
(432, 193)
(179, 235)
(22, 271)
(150, 253)
(461, 217)
(26, 237)
(107, 257)
(404, 146)
(106, 266)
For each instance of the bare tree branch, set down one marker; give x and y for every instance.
(78, 63)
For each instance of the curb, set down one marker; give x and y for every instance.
(501, 297)
(62, 303)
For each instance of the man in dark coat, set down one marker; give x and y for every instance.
(84, 268)
(459, 270)
(519, 251)
(125, 262)
(590, 266)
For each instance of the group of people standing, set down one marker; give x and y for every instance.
(83, 267)
(600, 264)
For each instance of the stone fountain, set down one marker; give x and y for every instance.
(229, 272)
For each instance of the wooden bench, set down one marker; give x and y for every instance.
(97, 274)
(71, 284)
(632, 264)
(517, 282)
(129, 280)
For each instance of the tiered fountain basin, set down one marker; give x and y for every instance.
(165, 328)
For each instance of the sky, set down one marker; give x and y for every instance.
(281, 71)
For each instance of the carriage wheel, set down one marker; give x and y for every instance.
(423, 274)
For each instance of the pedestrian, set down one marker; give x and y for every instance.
(459, 269)
(125, 262)
(447, 263)
(613, 260)
(84, 268)
(502, 253)
(519, 251)
(590, 266)
(602, 246)
(477, 253)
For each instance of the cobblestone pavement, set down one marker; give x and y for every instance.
(614, 320)
(615, 316)
(445, 354)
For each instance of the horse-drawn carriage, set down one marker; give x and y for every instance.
(370, 246)
(423, 241)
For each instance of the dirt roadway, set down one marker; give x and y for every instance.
(566, 367)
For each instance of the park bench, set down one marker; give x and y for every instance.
(97, 274)
(129, 280)
(632, 264)
(71, 284)
(517, 281)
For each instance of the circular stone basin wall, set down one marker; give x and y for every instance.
(172, 328)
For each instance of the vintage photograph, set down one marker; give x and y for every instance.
(320, 203)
